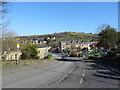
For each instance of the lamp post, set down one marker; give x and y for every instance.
(18, 46)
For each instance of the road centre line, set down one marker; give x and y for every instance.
(83, 74)
(81, 80)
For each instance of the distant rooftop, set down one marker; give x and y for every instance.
(74, 42)
(41, 45)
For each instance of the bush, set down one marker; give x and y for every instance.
(118, 50)
(97, 54)
(49, 56)
(111, 54)
(29, 51)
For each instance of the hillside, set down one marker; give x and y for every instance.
(64, 36)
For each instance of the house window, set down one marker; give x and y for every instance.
(39, 42)
(39, 51)
(15, 56)
(10, 57)
(76, 41)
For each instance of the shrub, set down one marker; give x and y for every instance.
(111, 54)
(118, 50)
(29, 51)
(49, 56)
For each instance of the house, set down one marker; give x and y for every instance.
(53, 38)
(42, 52)
(34, 41)
(12, 55)
(48, 38)
(74, 44)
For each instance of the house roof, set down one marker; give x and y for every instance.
(41, 45)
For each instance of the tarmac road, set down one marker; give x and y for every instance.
(70, 73)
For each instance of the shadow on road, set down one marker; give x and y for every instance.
(93, 65)
(101, 70)
(69, 60)
(105, 75)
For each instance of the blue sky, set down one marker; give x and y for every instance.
(37, 18)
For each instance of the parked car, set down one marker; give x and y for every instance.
(75, 54)
(64, 57)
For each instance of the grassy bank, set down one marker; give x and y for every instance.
(23, 62)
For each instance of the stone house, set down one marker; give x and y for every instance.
(12, 55)
(73, 44)
(42, 52)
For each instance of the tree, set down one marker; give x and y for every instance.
(101, 28)
(29, 51)
(118, 42)
(108, 38)
(8, 40)
(3, 12)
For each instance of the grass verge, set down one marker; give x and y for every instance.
(23, 62)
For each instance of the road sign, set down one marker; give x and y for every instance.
(89, 50)
(18, 45)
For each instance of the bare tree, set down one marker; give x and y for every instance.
(8, 38)
(101, 28)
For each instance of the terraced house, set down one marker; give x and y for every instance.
(74, 45)
(42, 52)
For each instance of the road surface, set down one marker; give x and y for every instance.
(71, 73)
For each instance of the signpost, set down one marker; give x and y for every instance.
(18, 46)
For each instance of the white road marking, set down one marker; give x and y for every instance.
(81, 80)
(83, 74)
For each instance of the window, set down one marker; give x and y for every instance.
(10, 57)
(76, 41)
(15, 56)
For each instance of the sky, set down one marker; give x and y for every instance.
(37, 18)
